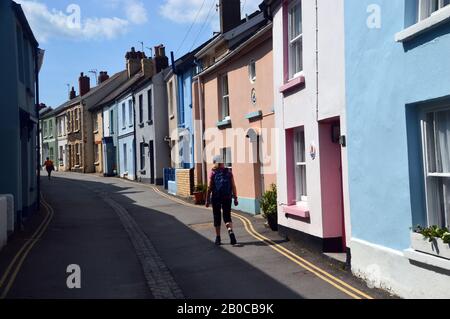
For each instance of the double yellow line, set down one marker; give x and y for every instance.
(8, 278)
(320, 273)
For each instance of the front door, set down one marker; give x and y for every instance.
(152, 162)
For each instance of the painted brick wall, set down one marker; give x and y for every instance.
(185, 182)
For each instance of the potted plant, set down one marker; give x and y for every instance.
(200, 193)
(431, 240)
(269, 207)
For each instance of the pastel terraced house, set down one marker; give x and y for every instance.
(309, 89)
(398, 115)
(235, 103)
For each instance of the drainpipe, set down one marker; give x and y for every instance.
(38, 148)
(202, 142)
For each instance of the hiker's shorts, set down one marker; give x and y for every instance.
(221, 206)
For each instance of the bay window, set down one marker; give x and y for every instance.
(436, 148)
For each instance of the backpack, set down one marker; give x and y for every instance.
(222, 184)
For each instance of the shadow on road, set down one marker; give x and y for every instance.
(81, 226)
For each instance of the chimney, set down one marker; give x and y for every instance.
(72, 94)
(103, 77)
(161, 60)
(133, 60)
(148, 67)
(84, 84)
(230, 14)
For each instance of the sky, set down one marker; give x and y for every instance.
(86, 35)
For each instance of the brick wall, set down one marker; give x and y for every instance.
(185, 182)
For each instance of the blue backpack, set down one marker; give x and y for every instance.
(222, 184)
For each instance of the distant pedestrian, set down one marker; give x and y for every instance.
(49, 167)
(221, 192)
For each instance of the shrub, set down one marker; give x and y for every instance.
(269, 201)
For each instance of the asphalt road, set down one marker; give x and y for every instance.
(131, 242)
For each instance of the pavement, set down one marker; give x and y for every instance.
(132, 241)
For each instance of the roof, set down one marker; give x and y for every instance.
(79, 98)
(121, 90)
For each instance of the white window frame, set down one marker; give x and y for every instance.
(430, 175)
(298, 163)
(124, 115)
(130, 112)
(292, 41)
(429, 7)
(50, 128)
(225, 97)
(227, 157)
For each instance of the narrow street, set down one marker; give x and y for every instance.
(132, 241)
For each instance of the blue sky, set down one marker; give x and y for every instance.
(109, 28)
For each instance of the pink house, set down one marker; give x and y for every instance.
(309, 91)
(233, 102)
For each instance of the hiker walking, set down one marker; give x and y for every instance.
(49, 167)
(221, 192)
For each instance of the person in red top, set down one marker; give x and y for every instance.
(49, 167)
(221, 192)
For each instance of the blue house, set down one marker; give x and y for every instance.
(184, 70)
(398, 139)
(20, 62)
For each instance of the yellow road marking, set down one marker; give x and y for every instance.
(26, 250)
(322, 274)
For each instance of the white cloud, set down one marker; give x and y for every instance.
(185, 11)
(48, 23)
(136, 12)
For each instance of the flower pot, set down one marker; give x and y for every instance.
(272, 220)
(437, 247)
(199, 198)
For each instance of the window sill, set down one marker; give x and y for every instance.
(141, 125)
(223, 124)
(293, 84)
(423, 26)
(150, 122)
(97, 163)
(172, 117)
(254, 115)
(95, 132)
(427, 259)
(296, 211)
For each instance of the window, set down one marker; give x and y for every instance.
(77, 119)
(150, 105)
(97, 153)
(141, 109)
(51, 153)
(77, 154)
(295, 39)
(142, 149)
(125, 157)
(26, 57)
(428, 7)
(61, 155)
(300, 165)
(226, 157)
(50, 128)
(69, 122)
(111, 122)
(436, 137)
(124, 122)
(45, 129)
(225, 97)
(130, 112)
(170, 98)
(19, 39)
(95, 122)
(252, 71)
